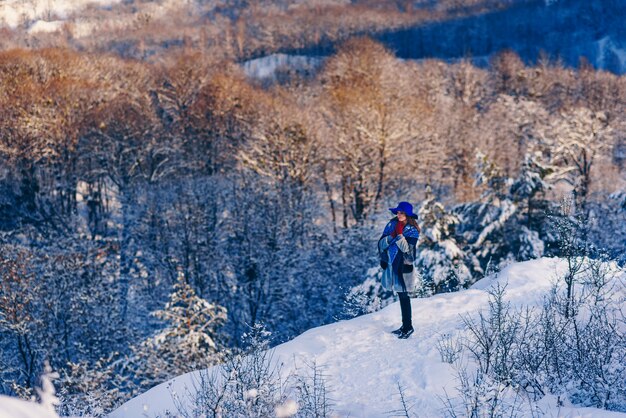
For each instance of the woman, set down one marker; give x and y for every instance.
(396, 248)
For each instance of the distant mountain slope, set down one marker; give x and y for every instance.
(566, 29)
(365, 362)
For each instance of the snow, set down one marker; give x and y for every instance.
(364, 362)
(14, 12)
(266, 67)
(42, 26)
(508, 209)
(607, 44)
(286, 410)
(17, 408)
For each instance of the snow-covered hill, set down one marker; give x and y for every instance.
(365, 363)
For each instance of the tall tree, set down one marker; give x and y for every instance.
(580, 138)
(367, 109)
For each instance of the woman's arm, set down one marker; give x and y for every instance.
(385, 240)
(407, 246)
(403, 244)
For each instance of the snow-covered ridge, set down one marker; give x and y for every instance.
(364, 362)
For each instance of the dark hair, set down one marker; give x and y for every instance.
(412, 220)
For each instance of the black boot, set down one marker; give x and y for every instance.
(406, 333)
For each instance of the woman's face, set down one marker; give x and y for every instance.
(401, 216)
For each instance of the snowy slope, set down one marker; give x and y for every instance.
(17, 408)
(364, 361)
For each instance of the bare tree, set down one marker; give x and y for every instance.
(367, 109)
(581, 138)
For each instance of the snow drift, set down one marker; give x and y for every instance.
(17, 408)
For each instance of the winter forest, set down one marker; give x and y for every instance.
(162, 211)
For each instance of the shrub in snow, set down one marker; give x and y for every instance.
(247, 384)
(287, 409)
(449, 348)
(406, 407)
(590, 366)
(312, 392)
(574, 347)
(367, 297)
(482, 396)
(93, 389)
(250, 384)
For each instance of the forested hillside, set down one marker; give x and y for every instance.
(155, 211)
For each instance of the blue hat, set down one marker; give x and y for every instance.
(405, 207)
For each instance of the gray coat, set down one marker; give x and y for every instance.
(399, 253)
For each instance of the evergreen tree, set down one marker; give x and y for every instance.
(189, 342)
(527, 191)
(485, 223)
(530, 183)
(508, 222)
(441, 259)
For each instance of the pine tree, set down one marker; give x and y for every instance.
(485, 222)
(508, 222)
(440, 258)
(489, 175)
(526, 192)
(190, 341)
(531, 180)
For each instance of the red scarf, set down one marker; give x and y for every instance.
(399, 228)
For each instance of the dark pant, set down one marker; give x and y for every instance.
(405, 306)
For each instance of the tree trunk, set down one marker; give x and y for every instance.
(329, 196)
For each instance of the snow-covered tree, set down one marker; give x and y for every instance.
(368, 111)
(368, 296)
(530, 183)
(440, 257)
(249, 383)
(495, 183)
(528, 193)
(484, 222)
(19, 322)
(580, 137)
(508, 222)
(47, 393)
(189, 341)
